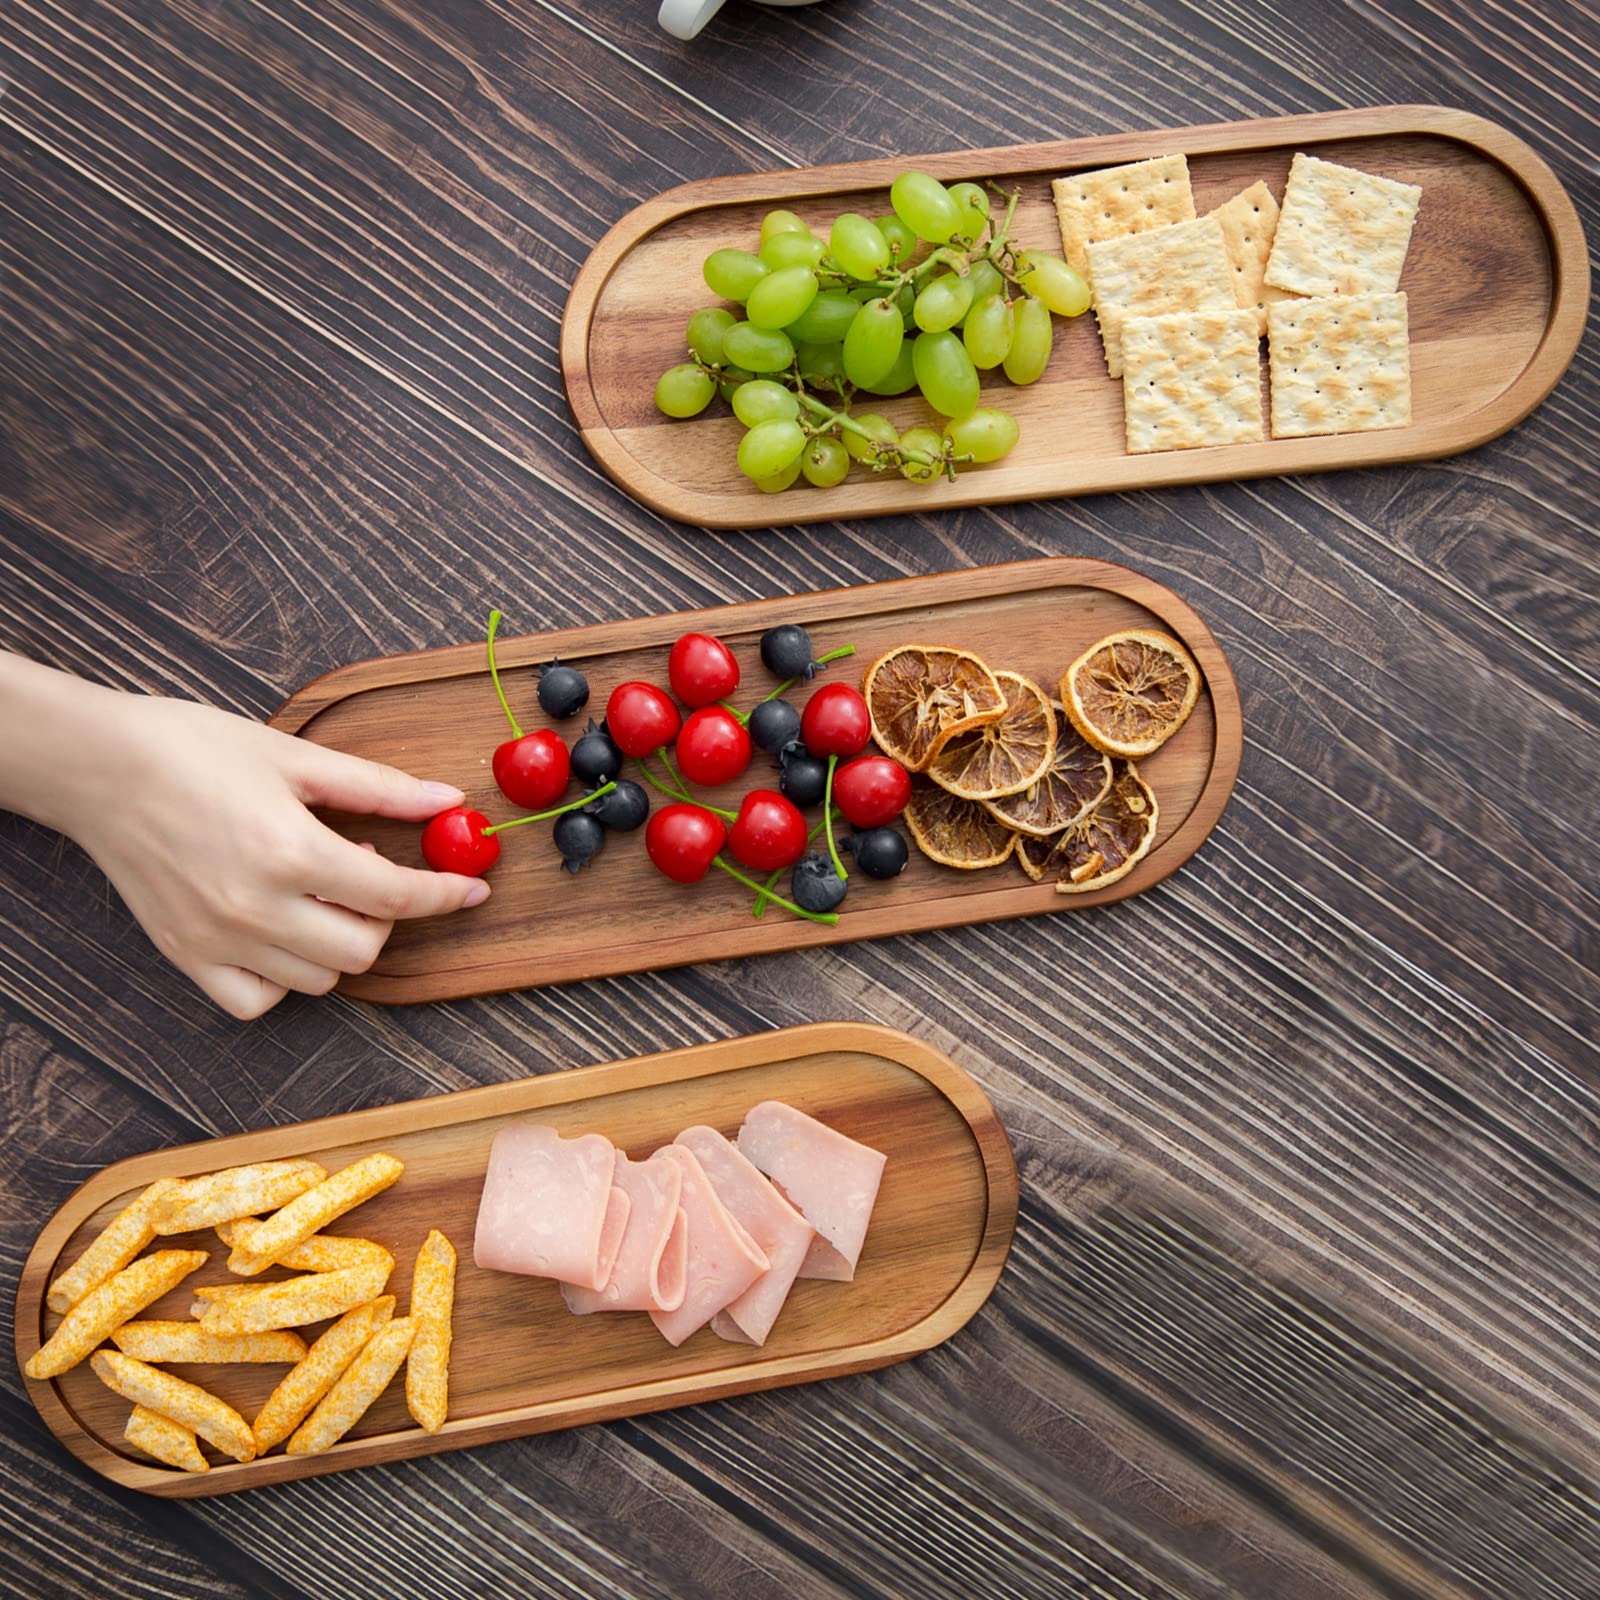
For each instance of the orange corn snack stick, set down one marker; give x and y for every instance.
(288, 1405)
(364, 1380)
(234, 1192)
(159, 1342)
(312, 1297)
(118, 1243)
(158, 1436)
(313, 1210)
(433, 1292)
(186, 1404)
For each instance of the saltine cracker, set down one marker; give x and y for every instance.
(1339, 364)
(1113, 201)
(1249, 222)
(1341, 231)
(1191, 378)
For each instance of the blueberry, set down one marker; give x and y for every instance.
(814, 885)
(623, 809)
(579, 838)
(773, 724)
(595, 757)
(879, 852)
(563, 691)
(802, 777)
(786, 652)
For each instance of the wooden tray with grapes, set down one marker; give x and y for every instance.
(435, 713)
(1496, 277)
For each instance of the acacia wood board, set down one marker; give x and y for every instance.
(1497, 279)
(434, 713)
(520, 1362)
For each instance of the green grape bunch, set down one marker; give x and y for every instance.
(926, 297)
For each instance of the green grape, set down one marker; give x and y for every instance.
(761, 400)
(733, 273)
(821, 364)
(825, 462)
(873, 343)
(826, 320)
(706, 331)
(864, 292)
(901, 377)
(1031, 338)
(902, 241)
(759, 349)
(943, 303)
(905, 299)
(974, 204)
(770, 446)
(776, 222)
(925, 206)
(879, 427)
(732, 379)
(945, 373)
(924, 439)
(777, 482)
(857, 246)
(780, 297)
(986, 435)
(684, 391)
(987, 334)
(792, 250)
(985, 278)
(1051, 280)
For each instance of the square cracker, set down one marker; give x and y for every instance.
(1249, 221)
(1184, 267)
(1191, 378)
(1113, 201)
(1340, 364)
(1341, 231)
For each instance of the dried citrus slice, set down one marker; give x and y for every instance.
(1005, 755)
(1128, 694)
(1104, 846)
(956, 832)
(921, 695)
(1076, 781)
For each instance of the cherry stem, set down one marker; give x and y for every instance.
(681, 793)
(777, 899)
(494, 673)
(827, 817)
(760, 909)
(741, 717)
(822, 661)
(545, 816)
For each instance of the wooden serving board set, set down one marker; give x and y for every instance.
(1497, 279)
(435, 712)
(521, 1363)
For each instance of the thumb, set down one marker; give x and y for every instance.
(348, 783)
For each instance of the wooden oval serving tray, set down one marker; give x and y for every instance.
(434, 713)
(1497, 275)
(521, 1363)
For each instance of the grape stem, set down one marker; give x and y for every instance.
(827, 818)
(545, 816)
(681, 793)
(777, 899)
(494, 674)
(882, 455)
(821, 661)
(760, 909)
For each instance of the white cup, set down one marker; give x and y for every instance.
(686, 18)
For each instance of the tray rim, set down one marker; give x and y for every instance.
(869, 922)
(1569, 263)
(556, 1087)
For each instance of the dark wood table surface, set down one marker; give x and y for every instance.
(1303, 1301)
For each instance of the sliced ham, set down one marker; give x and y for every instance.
(723, 1259)
(649, 1273)
(782, 1234)
(831, 1180)
(549, 1208)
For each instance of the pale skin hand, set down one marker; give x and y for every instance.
(199, 818)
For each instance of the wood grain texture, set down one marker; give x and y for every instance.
(621, 915)
(1495, 223)
(281, 289)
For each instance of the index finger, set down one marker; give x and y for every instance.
(364, 881)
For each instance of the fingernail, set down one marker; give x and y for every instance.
(367, 844)
(476, 895)
(442, 795)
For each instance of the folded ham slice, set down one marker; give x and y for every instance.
(549, 1208)
(831, 1180)
(781, 1232)
(650, 1272)
(723, 1259)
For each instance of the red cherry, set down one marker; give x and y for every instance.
(702, 670)
(836, 721)
(768, 833)
(454, 841)
(641, 718)
(682, 840)
(713, 747)
(533, 771)
(871, 790)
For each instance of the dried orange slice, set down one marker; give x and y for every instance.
(1104, 846)
(956, 832)
(921, 695)
(1128, 694)
(1075, 782)
(1005, 755)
